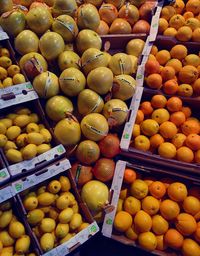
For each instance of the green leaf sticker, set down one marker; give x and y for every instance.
(126, 136)
(18, 187)
(93, 229)
(3, 174)
(29, 86)
(60, 149)
(139, 76)
(109, 221)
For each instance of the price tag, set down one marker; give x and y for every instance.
(62, 250)
(27, 165)
(6, 193)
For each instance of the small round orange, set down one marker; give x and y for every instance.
(142, 221)
(141, 142)
(193, 141)
(190, 247)
(157, 189)
(139, 116)
(185, 154)
(173, 239)
(170, 87)
(190, 126)
(129, 176)
(146, 107)
(156, 140)
(158, 101)
(186, 224)
(178, 118)
(169, 209)
(174, 104)
(150, 205)
(187, 111)
(167, 150)
(197, 156)
(161, 246)
(163, 56)
(179, 52)
(168, 130)
(160, 115)
(159, 225)
(154, 81)
(178, 140)
(136, 130)
(191, 205)
(147, 240)
(177, 191)
(176, 64)
(123, 221)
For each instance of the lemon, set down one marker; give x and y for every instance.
(6, 121)
(76, 221)
(34, 118)
(132, 205)
(139, 189)
(149, 127)
(61, 230)
(35, 216)
(53, 213)
(41, 190)
(9, 145)
(7, 251)
(16, 229)
(5, 62)
(30, 203)
(131, 233)
(7, 82)
(13, 70)
(23, 111)
(4, 52)
(3, 140)
(35, 138)
(43, 148)
(120, 205)
(83, 226)
(22, 244)
(65, 216)
(66, 238)
(3, 73)
(2, 128)
(14, 156)
(29, 151)
(123, 221)
(65, 183)
(21, 120)
(13, 132)
(46, 135)
(70, 196)
(21, 140)
(54, 186)
(47, 242)
(47, 225)
(19, 79)
(32, 127)
(150, 205)
(46, 199)
(62, 202)
(6, 239)
(5, 218)
(45, 209)
(75, 207)
(11, 116)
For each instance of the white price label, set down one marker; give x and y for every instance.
(53, 252)
(6, 193)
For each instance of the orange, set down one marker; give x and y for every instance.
(150, 205)
(120, 26)
(196, 87)
(108, 13)
(193, 23)
(170, 87)
(152, 67)
(158, 101)
(156, 140)
(123, 221)
(178, 118)
(166, 182)
(152, 57)
(159, 225)
(167, 12)
(131, 233)
(141, 26)
(177, 191)
(197, 233)
(161, 246)
(149, 180)
(103, 28)
(148, 241)
(191, 205)
(169, 209)
(129, 13)
(154, 50)
(190, 126)
(163, 25)
(177, 21)
(149, 127)
(139, 116)
(132, 205)
(196, 35)
(123, 193)
(141, 142)
(136, 130)
(163, 57)
(146, 107)
(185, 154)
(179, 52)
(185, 90)
(175, 63)
(157, 189)
(187, 111)
(190, 247)
(167, 150)
(174, 104)
(186, 224)
(167, 73)
(129, 176)
(193, 141)
(168, 129)
(188, 74)
(139, 189)
(193, 6)
(188, 15)
(179, 6)
(142, 221)
(194, 191)
(184, 34)
(170, 32)
(197, 156)
(178, 140)
(154, 81)
(173, 239)
(160, 115)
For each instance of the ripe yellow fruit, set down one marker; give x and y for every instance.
(123, 221)
(142, 221)
(62, 202)
(22, 244)
(190, 248)
(5, 62)
(54, 186)
(6, 239)
(148, 241)
(150, 205)
(5, 218)
(30, 203)
(7, 82)
(13, 132)
(6, 121)
(65, 183)
(32, 127)
(10, 145)
(47, 225)
(191, 205)
(14, 156)
(139, 189)
(66, 238)
(21, 140)
(141, 142)
(46, 135)
(159, 225)
(16, 229)
(3, 73)
(3, 140)
(76, 221)
(19, 79)
(35, 138)
(46, 199)
(13, 70)
(149, 127)
(2, 128)
(35, 216)
(61, 230)
(65, 215)
(132, 205)
(21, 120)
(131, 233)
(43, 148)
(29, 151)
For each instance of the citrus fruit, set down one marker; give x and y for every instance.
(185, 224)
(149, 127)
(132, 205)
(157, 189)
(156, 140)
(142, 221)
(190, 248)
(159, 225)
(129, 176)
(167, 150)
(160, 115)
(122, 221)
(141, 142)
(169, 209)
(177, 191)
(158, 101)
(148, 241)
(150, 205)
(173, 239)
(139, 189)
(185, 154)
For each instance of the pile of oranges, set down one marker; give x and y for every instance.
(182, 20)
(165, 127)
(159, 215)
(174, 71)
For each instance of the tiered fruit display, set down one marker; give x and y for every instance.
(9, 72)
(53, 213)
(174, 72)
(159, 214)
(22, 137)
(181, 20)
(166, 127)
(13, 237)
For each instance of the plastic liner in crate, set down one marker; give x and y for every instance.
(26, 167)
(9, 201)
(148, 171)
(3, 35)
(41, 178)
(4, 173)
(166, 43)
(130, 152)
